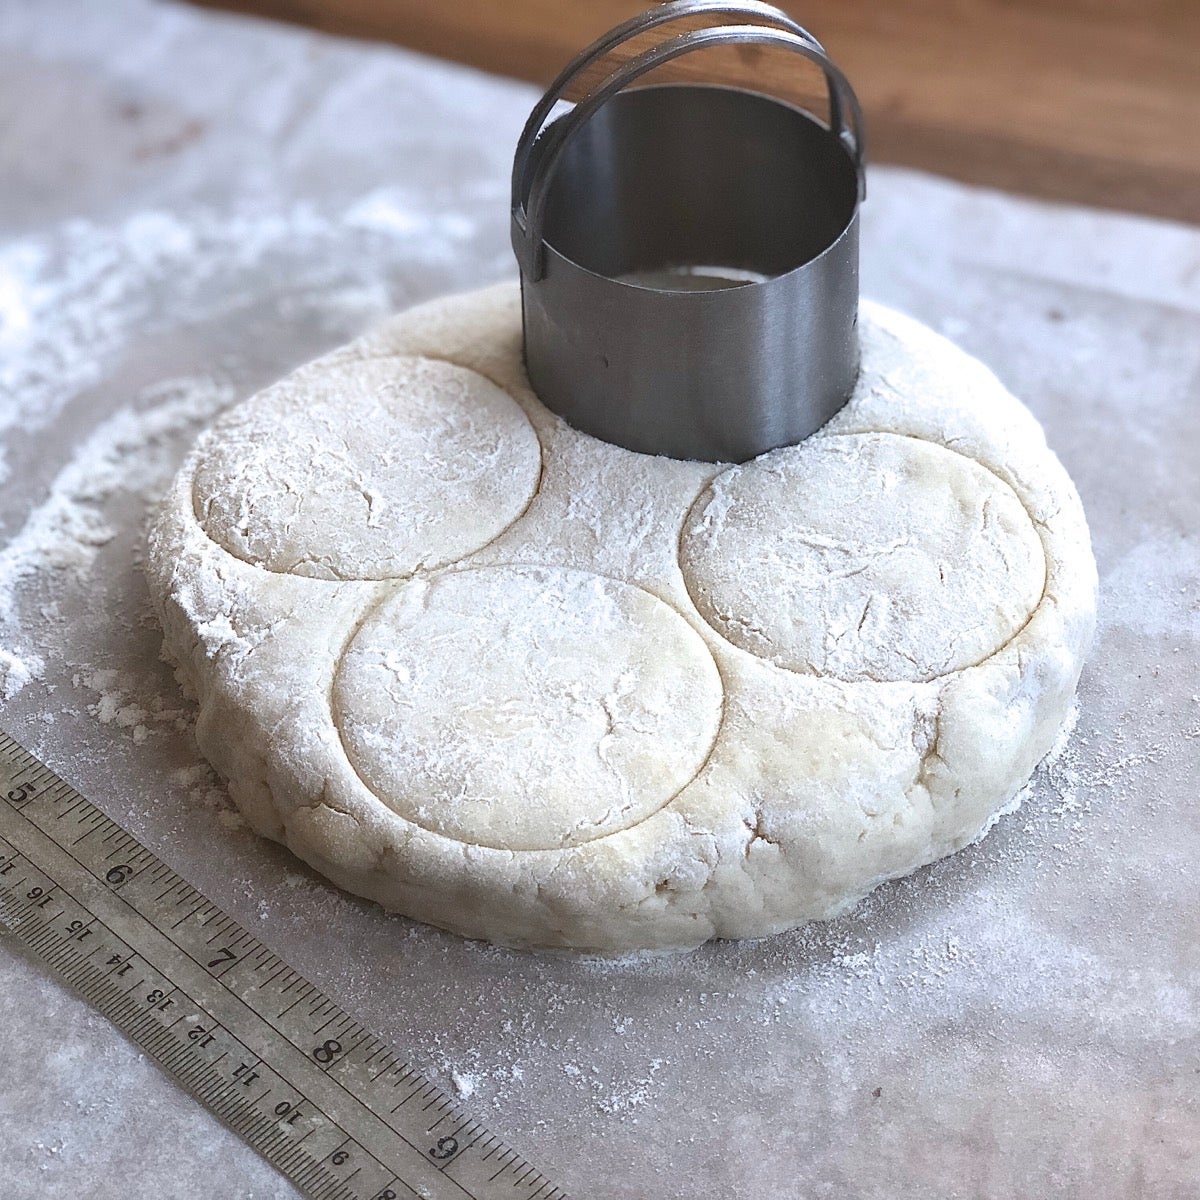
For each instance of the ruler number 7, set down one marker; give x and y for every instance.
(224, 956)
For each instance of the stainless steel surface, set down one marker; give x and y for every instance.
(630, 187)
(322, 1099)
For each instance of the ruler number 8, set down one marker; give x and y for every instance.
(327, 1052)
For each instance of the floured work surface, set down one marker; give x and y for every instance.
(220, 202)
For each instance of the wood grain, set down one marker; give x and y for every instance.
(1093, 101)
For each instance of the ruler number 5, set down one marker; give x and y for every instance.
(18, 795)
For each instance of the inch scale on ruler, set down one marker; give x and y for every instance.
(320, 1097)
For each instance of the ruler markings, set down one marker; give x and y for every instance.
(321, 1007)
(216, 1092)
(348, 1023)
(85, 834)
(192, 993)
(66, 812)
(186, 916)
(289, 1008)
(324, 1025)
(406, 1099)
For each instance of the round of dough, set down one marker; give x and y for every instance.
(550, 692)
(864, 557)
(368, 472)
(526, 708)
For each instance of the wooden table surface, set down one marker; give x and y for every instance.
(1094, 101)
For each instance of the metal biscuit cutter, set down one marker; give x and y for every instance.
(689, 252)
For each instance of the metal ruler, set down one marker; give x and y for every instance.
(319, 1096)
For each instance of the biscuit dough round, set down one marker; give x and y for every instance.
(541, 707)
(371, 472)
(534, 688)
(868, 556)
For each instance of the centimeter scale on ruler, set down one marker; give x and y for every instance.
(319, 1096)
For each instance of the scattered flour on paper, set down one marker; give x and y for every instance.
(72, 303)
(465, 1083)
(132, 453)
(16, 672)
(72, 300)
(204, 790)
(129, 455)
(121, 703)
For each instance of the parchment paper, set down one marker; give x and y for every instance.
(192, 204)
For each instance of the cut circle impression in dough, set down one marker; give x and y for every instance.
(864, 556)
(526, 708)
(373, 471)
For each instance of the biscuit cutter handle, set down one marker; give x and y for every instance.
(531, 179)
